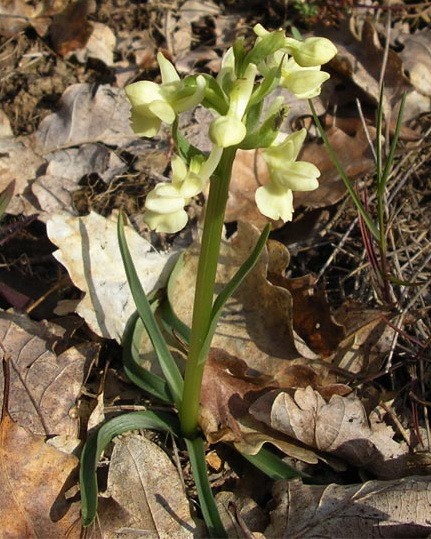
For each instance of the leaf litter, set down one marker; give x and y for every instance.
(300, 375)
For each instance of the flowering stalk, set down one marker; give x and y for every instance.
(205, 284)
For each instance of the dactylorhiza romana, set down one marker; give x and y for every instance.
(235, 97)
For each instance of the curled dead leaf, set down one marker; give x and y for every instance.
(339, 426)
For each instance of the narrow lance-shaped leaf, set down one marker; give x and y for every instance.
(167, 362)
(209, 509)
(141, 377)
(97, 443)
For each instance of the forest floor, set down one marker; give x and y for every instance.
(324, 356)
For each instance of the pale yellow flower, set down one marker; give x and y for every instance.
(275, 200)
(154, 103)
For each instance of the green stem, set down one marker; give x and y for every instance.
(205, 285)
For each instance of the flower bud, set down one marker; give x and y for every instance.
(313, 51)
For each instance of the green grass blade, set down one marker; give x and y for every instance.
(167, 362)
(359, 206)
(151, 383)
(273, 466)
(379, 130)
(206, 499)
(390, 159)
(5, 197)
(97, 443)
(232, 286)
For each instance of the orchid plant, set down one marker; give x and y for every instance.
(236, 97)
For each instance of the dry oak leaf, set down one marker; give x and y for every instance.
(375, 509)
(45, 386)
(88, 248)
(339, 427)
(70, 30)
(361, 60)
(416, 56)
(87, 114)
(33, 480)
(20, 161)
(17, 15)
(66, 168)
(224, 413)
(150, 496)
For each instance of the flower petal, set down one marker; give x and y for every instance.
(163, 110)
(300, 176)
(275, 202)
(305, 84)
(143, 92)
(168, 223)
(167, 70)
(143, 125)
(164, 199)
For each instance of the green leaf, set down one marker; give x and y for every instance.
(151, 383)
(231, 286)
(97, 443)
(267, 45)
(185, 150)
(389, 161)
(273, 466)
(167, 362)
(214, 96)
(208, 505)
(267, 85)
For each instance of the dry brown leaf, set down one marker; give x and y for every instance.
(181, 37)
(147, 488)
(375, 509)
(70, 30)
(88, 248)
(236, 391)
(100, 45)
(20, 161)
(368, 339)
(66, 168)
(339, 426)
(44, 386)
(256, 324)
(224, 408)
(241, 516)
(33, 480)
(360, 61)
(17, 15)
(312, 318)
(416, 57)
(87, 114)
